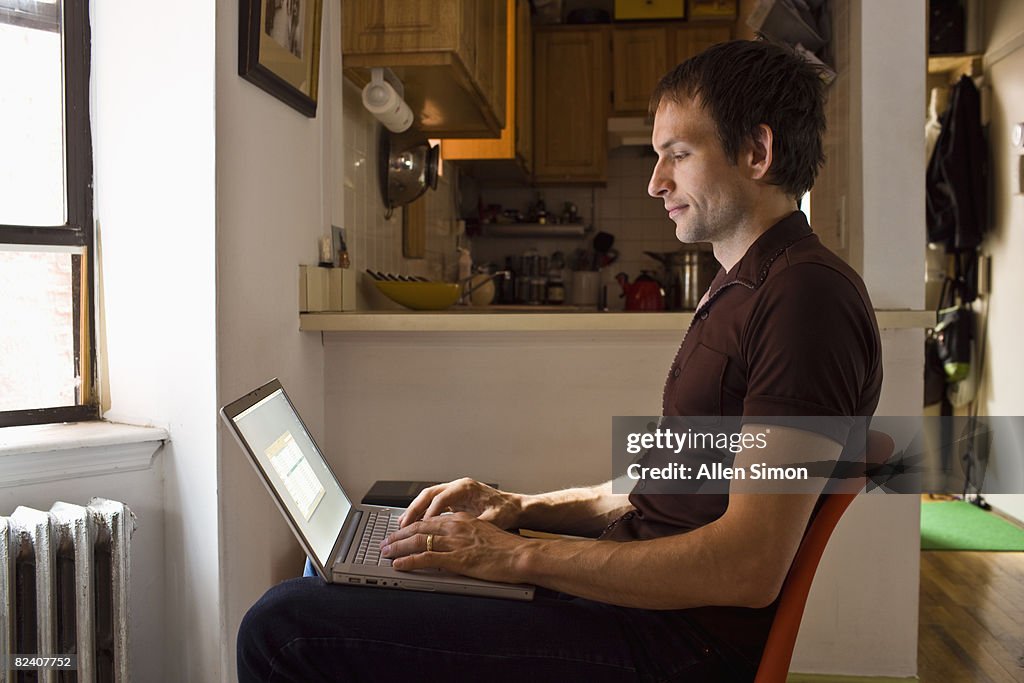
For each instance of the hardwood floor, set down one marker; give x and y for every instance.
(971, 618)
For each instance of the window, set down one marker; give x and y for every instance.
(46, 223)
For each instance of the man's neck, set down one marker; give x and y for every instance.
(766, 214)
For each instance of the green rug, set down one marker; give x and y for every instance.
(956, 525)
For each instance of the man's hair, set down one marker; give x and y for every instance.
(744, 83)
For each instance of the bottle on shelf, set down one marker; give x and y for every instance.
(542, 210)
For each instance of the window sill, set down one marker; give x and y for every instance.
(42, 453)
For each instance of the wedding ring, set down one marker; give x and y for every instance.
(430, 543)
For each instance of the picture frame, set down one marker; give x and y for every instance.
(279, 49)
(707, 10)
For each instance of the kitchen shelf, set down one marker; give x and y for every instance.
(489, 319)
(534, 229)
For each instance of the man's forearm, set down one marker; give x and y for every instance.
(739, 559)
(582, 511)
(676, 572)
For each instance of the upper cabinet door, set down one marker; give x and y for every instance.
(515, 142)
(642, 55)
(449, 55)
(489, 67)
(693, 39)
(571, 99)
(402, 26)
(639, 60)
(524, 87)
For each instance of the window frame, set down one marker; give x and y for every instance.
(78, 229)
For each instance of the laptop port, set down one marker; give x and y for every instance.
(371, 582)
(353, 579)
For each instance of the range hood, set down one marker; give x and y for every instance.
(629, 131)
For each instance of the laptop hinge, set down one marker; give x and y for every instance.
(350, 533)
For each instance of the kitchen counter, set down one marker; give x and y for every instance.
(544, 319)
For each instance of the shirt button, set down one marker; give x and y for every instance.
(628, 515)
(704, 315)
(675, 371)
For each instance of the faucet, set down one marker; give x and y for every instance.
(468, 289)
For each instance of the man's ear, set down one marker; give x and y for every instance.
(759, 152)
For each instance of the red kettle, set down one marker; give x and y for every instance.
(644, 294)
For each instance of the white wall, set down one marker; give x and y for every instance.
(1002, 389)
(890, 67)
(152, 115)
(861, 615)
(530, 411)
(274, 196)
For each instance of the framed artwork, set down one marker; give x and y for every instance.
(279, 49)
(697, 10)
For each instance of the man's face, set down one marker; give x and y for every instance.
(705, 195)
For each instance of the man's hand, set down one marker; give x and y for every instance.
(741, 559)
(465, 495)
(459, 543)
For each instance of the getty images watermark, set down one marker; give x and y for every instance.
(720, 455)
(668, 441)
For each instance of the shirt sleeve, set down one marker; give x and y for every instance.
(809, 349)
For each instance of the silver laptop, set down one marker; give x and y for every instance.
(341, 538)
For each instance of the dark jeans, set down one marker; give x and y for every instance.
(307, 630)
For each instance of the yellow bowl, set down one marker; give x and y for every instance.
(421, 296)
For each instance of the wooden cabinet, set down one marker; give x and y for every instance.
(515, 143)
(571, 101)
(449, 54)
(641, 55)
(561, 90)
(524, 87)
(489, 67)
(687, 41)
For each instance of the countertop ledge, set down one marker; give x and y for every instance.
(40, 453)
(484, 320)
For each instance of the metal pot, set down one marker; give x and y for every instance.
(686, 274)
(408, 167)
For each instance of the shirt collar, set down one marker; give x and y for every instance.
(752, 269)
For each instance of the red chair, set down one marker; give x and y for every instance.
(778, 651)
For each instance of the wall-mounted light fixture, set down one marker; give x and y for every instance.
(385, 102)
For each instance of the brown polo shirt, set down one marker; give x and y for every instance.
(788, 332)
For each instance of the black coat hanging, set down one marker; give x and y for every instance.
(957, 176)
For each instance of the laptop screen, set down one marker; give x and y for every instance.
(295, 468)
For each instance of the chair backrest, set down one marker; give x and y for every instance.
(778, 651)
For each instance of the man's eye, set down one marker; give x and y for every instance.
(679, 156)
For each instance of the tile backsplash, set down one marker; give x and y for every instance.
(373, 241)
(622, 208)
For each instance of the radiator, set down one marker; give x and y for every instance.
(64, 590)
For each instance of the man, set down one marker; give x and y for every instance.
(675, 587)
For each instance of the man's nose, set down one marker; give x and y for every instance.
(659, 184)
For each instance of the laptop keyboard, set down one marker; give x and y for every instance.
(378, 526)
